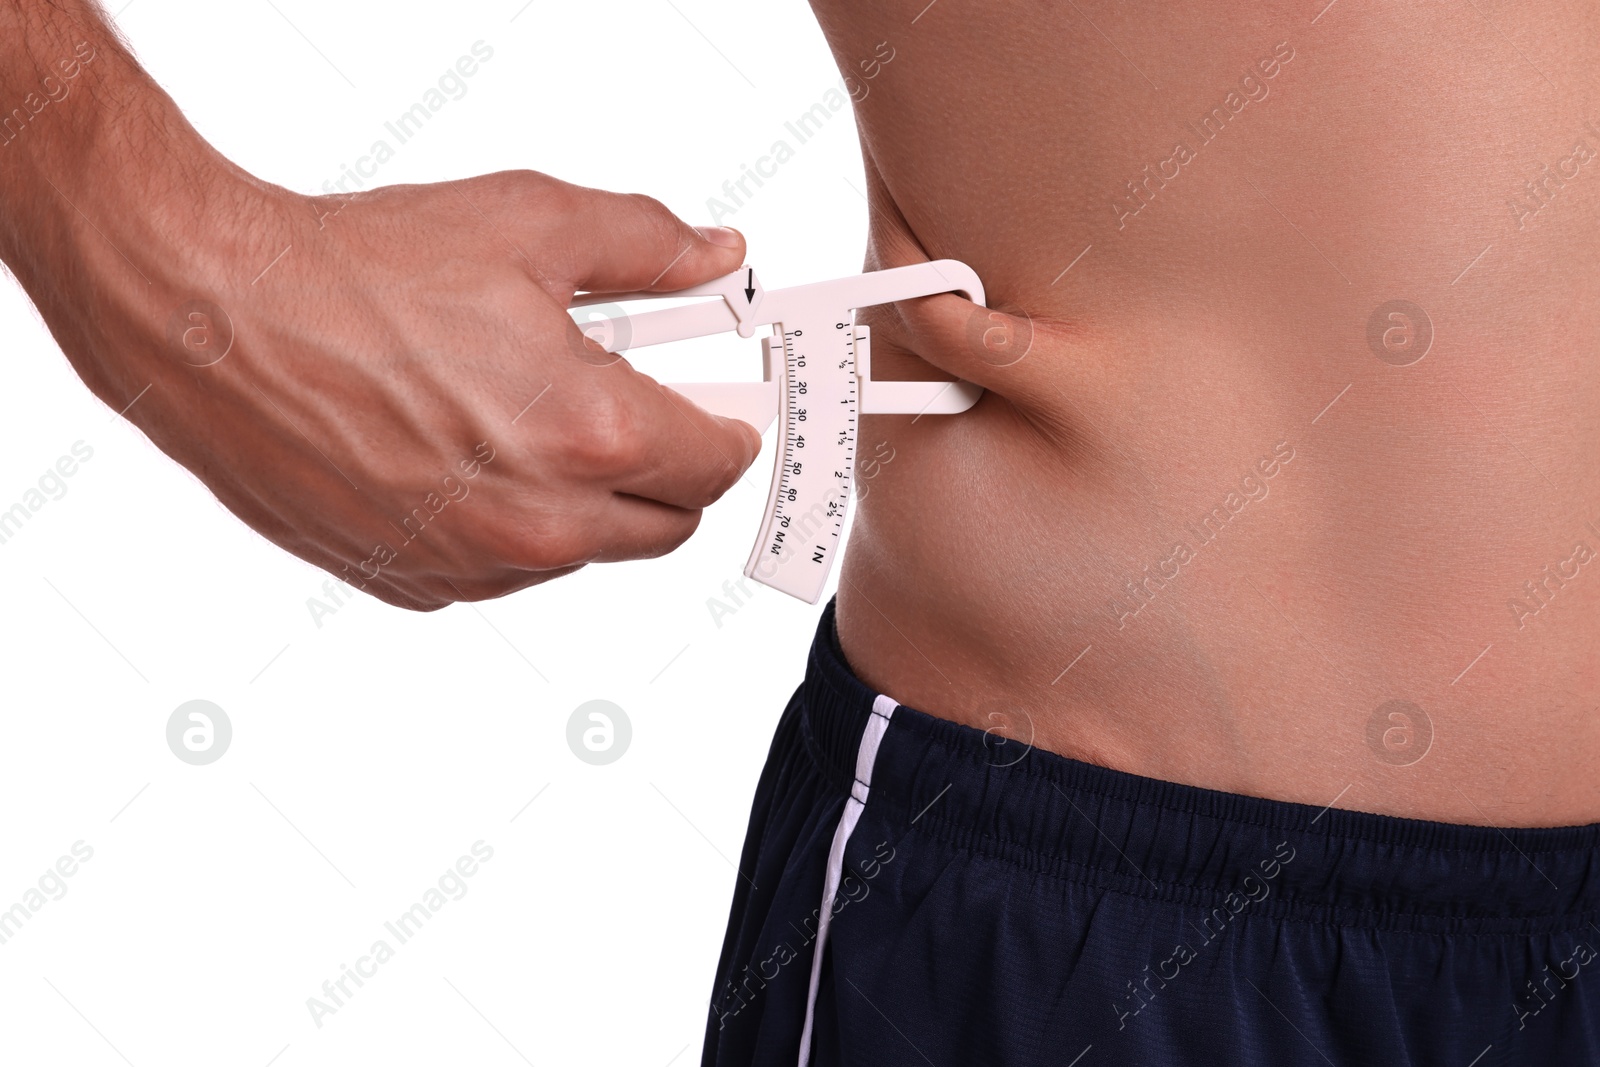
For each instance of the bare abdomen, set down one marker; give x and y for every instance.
(1311, 509)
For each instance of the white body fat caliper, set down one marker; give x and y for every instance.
(817, 380)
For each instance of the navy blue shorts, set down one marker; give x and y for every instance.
(987, 906)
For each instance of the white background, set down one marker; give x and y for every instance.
(372, 751)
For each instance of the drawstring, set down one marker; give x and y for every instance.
(866, 756)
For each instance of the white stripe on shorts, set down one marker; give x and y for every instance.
(866, 756)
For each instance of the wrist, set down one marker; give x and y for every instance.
(113, 209)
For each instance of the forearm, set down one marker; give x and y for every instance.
(104, 186)
(324, 379)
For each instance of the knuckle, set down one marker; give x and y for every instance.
(547, 542)
(662, 227)
(527, 193)
(407, 597)
(717, 480)
(519, 180)
(651, 210)
(449, 590)
(551, 194)
(608, 436)
(568, 548)
(720, 473)
(673, 538)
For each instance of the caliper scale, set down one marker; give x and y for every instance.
(816, 380)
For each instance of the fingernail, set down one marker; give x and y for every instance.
(719, 235)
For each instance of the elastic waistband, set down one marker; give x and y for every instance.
(1071, 820)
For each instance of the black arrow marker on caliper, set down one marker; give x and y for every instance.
(750, 287)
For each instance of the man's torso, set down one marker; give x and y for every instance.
(1228, 529)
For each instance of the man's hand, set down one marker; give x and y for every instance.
(388, 384)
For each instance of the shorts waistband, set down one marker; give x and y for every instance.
(1067, 819)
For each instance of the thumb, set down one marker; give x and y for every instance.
(627, 242)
